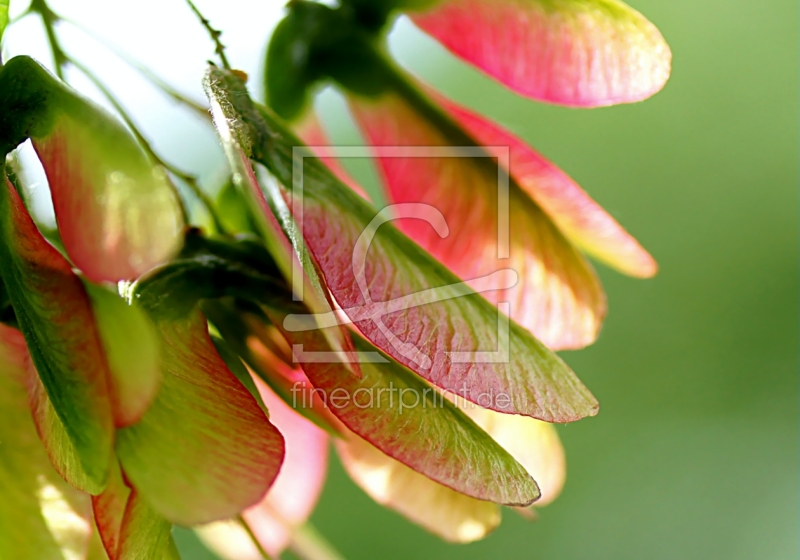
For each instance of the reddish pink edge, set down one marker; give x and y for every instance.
(102, 257)
(402, 439)
(56, 282)
(14, 349)
(579, 55)
(295, 492)
(581, 219)
(272, 222)
(557, 296)
(294, 381)
(239, 399)
(109, 512)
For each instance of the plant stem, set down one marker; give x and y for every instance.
(308, 544)
(215, 35)
(253, 537)
(49, 19)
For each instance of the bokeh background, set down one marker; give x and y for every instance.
(695, 452)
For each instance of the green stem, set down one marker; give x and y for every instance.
(308, 544)
(253, 537)
(214, 33)
(49, 19)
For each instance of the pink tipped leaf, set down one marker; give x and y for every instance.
(292, 498)
(274, 217)
(267, 355)
(144, 533)
(310, 131)
(117, 213)
(408, 420)
(579, 53)
(403, 300)
(204, 450)
(71, 404)
(109, 510)
(131, 346)
(41, 516)
(62, 450)
(581, 219)
(129, 528)
(556, 295)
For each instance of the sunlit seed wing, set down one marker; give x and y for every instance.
(415, 309)
(41, 516)
(580, 53)
(71, 403)
(204, 450)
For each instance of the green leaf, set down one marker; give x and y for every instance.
(145, 534)
(234, 212)
(208, 270)
(74, 416)
(274, 217)
(204, 450)
(117, 212)
(533, 443)
(66, 457)
(407, 304)
(237, 329)
(394, 428)
(412, 422)
(41, 516)
(131, 346)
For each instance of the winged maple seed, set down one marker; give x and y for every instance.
(155, 375)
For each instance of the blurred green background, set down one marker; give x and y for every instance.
(695, 452)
